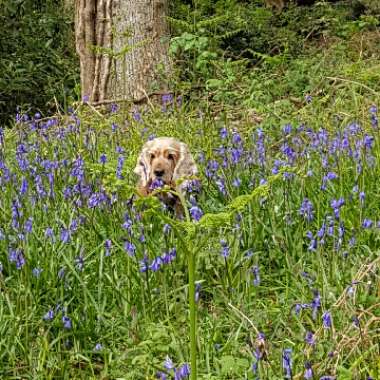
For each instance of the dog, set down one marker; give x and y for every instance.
(165, 161)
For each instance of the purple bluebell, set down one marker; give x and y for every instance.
(168, 363)
(107, 247)
(98, 347)
(28, 225)
(182, 372)
(326, 319)
(144, 264)
(367, 223)
(256, 274)
(37, 272)
(308, 371)
(67, 324)
(223, 133)
(287, 364)
(130, 248)
(103, 158)
(49, 316)
(119, 168)
(307, 210)
(315, 304)
(65, 235)
(79, 262)
(196, 213)
(225, 252)
(309, 338)
(156, 264)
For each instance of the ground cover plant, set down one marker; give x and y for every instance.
(285, 231)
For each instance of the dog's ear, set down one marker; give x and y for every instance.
(186, 166)
(142, 168)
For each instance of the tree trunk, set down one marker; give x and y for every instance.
(120, 46)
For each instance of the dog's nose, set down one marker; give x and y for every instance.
(159, 173)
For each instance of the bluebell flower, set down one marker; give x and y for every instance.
(223, 133)
(306, 210)
(156, 264)
(196, 213)
(66, 322)
(49, 316)
(107, 247)
(98, 347)
(37, 271)
(308, 371)
(315, 304)
(65, 235)
(103, 158)
(326, 319)
(367, 223)
(309, 338)
(225, 249)
(168, 363)
(256, 273)
(130, 248)
(287, 363)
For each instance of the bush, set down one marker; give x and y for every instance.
(38, 62)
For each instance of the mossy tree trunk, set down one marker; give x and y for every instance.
(121, 45)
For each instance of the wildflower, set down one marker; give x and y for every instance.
(119, 168)
(315, 304)
(225, 249)
(107, 247)
(161, 375)
(156, 264)
(144, 266)
(166, 228)
(306, 210)
(24, 186)
(103, 158)
(98, 347)
(168, 363)
(157, 184)
(308, 98)
(182, 372)
(336, 204)
(130, 248)
(287, 363)
(28, 226)
(196, 213)
(256, 274)
(49, 315)
(79, 262)
(65, 235)
(66, 322)
(367, 223)
(326, 319)
(198, 287)
(61, 273)
(17, 257)
(223, 133)
(114, 108)
(308, 371)
(37, 271)
(309, 338)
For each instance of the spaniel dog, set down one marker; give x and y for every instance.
(165, 161)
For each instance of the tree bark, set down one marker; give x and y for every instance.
(121, 45)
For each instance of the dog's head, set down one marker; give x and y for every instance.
(165, 160)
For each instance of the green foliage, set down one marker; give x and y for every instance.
(38, 65)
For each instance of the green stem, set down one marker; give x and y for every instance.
(193, 313)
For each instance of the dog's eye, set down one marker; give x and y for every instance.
(171, 156)
(152, 156)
